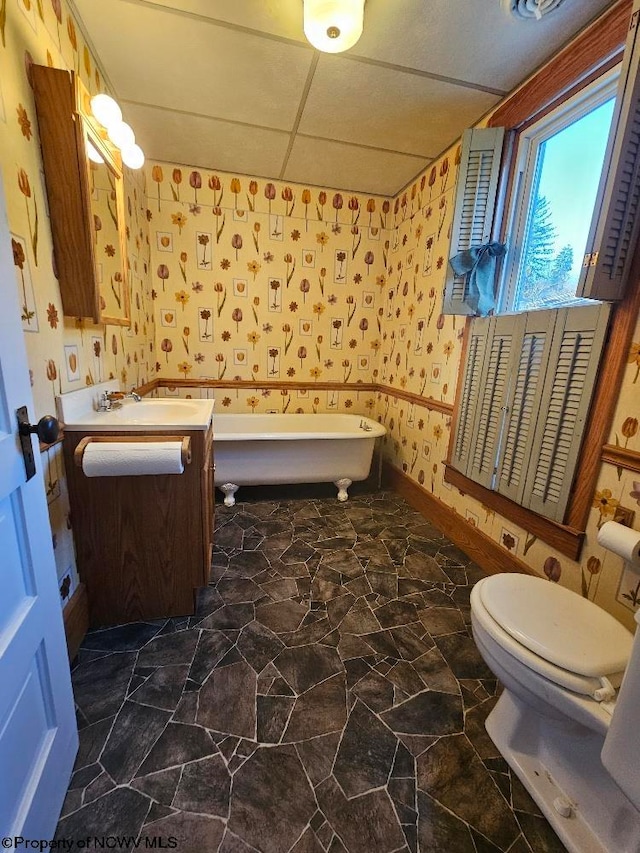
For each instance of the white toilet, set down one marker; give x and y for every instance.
(563, 722)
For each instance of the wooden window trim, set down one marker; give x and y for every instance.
(563, 538)
(598, 47)
(612, 368)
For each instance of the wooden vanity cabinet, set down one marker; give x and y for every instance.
(143, 544)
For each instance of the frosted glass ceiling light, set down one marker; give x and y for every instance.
(333, 25)
(121, 135)
(106, 110)
(133, 157)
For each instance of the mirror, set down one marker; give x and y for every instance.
(106, 218)
(83, 173)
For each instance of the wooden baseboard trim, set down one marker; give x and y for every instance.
(76, 619)
(490, 556)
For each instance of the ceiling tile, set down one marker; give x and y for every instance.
(356, 102)
(156, 57)
(207, 143)
(282, 18)
(349, 167)
(471, 40)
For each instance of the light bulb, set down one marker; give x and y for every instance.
(122, 135)
(106, 110)
(333, 25)
(93, 154)
(133, 156)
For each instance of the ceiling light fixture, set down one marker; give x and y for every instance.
(333, 25)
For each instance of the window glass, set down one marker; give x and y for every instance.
(560, 162)
(567, 172)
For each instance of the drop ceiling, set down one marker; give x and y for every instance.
(233, 85)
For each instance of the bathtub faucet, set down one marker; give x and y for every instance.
(365, 426)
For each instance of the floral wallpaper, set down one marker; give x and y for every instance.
(264, 281)
(236, 278)
(421, 352)
(64, 353)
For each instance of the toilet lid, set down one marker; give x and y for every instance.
(557, 624)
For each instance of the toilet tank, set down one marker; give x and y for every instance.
(621, 751)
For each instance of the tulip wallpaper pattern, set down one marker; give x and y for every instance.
(64, 354)
(260, 281)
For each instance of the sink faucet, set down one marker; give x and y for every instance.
(113, 399)
(106, 401)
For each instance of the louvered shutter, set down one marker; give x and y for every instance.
(504, 336)
(615, 225)
(577, 345)
(469, 393)
(476, 192)
(523, 402)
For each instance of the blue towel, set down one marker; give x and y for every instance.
(479, 265)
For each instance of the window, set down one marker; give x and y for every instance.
(558, 166)
(525, 390)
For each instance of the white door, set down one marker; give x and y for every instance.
(38, 733)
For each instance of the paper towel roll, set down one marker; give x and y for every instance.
(621, 540)
(132, 458)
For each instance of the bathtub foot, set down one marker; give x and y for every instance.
(342, 486)
(229, 490)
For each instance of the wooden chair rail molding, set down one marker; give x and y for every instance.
(621, 457)
(426, 402)
(563, 538)
(258, 384)
(601, 45)
(489, 555)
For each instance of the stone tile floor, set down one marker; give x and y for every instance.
(327, 696)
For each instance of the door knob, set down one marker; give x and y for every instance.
(47, 429)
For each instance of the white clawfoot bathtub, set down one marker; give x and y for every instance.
(262, 450)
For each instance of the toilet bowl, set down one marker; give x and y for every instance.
(570, 672)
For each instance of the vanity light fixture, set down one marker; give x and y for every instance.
(92, 152)
(121, 135)
(106, 111)
(333, 25)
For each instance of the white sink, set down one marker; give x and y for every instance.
(154, 412)
(77, 410)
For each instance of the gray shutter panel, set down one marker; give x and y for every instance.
(523, 403)
(616, 221)
(476, 349)
(476, 192)
(502, 347)
(577, 345)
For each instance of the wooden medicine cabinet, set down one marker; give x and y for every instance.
(83, 174)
